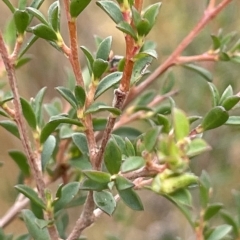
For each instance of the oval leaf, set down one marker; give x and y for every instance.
(31, 194)
(48, 148)
(112, 10)
(35, 231)
(214, 118)
(67, 95)
(104, 49)
(131, 199)
(99, 67)
(100, 177)
(80, 96)
(21, 19)
(80, 141)
(28, 113)
(43, 31)
(181, 124)
(11, 127)
(201, 71)
(68, 192)
(98, 107)
(123, 183)
(132, 163)
(77, 6)
(21, 160)
(107, 82)
(105, 201)
(220, 232)
(112, 157)
(54, 15)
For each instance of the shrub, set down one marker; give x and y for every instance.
(88, 142)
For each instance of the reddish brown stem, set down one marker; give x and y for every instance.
(208, 16)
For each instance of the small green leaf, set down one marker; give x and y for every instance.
(164, 122)
(36, 13)
(230, 102)
(212, 210)
(35, 231)
(31, 194)
(215, 94)
(139, 68)
(54, 123)
(37, 106)
(98, 107)
(130, 151)
(28, 113)
(112, 10)
(105, 201)
(89, 58)
(197, 146)
(148, 52)
(21, 62)
(104, 49)
(91, 185)
(54, 15)
(21, 160)
(151, 138)
(81, 163)
(123, 183)
(66, 195)
(100, 177)
(233, 120)
(77, 6)
(143, 27)
(43, 31)
(228, 92)
(151, 14)
(67, 95)
(131, 199)
(21, 19)
(99, 67)
(216, 42)
(224, 56)
(181, 124)
(107, 82)
(80, 96)
(201, 71)
(48, 148)
(127, 28)
(129, 132)
(216, 117)
(112, 157)
(80, 141)
(229, 219)
(11, 127)
(132, 163)
(220, 232)
(136, 16)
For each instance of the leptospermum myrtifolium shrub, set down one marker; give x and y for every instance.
(101, 160)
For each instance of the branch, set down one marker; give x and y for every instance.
(209, 14)
(31, 156)
(73, 53)
(86, 218)
(198, 58)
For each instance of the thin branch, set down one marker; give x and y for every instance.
(17, 48)
(86, 218)
(73, 54)
(31, 156)
(207, 17)
(198, 58)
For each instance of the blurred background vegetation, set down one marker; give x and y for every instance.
(160, 220)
